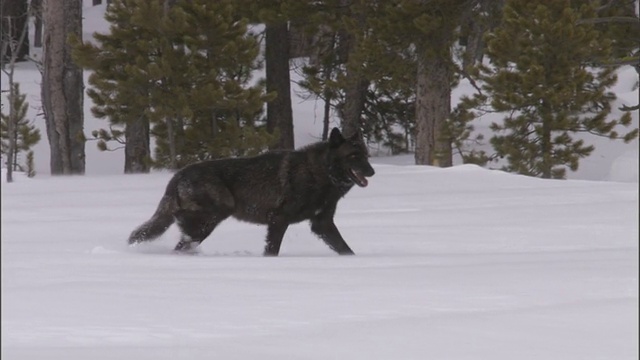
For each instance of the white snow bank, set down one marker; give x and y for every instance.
(458, 263)
(625, 167)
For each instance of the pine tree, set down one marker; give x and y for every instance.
(208, 111)
(356, 67)
(119, 89)
(183, 69)
(25, 134)
(541, 76)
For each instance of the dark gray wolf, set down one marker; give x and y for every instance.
(277, 189)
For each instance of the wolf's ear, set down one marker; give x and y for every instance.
(336, 139)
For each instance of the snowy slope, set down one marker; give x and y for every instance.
(460, 263)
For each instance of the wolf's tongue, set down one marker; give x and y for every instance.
(362, 181)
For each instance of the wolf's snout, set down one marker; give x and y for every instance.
(370, 172)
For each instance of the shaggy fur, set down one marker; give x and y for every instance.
(276, 189)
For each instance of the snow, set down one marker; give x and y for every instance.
(459, 263)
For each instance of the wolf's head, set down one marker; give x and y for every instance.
(350, 160)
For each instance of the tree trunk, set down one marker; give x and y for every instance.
(62, 88)
(136, 149)
(279, 112)
(474, 47)
(433, 105)
(37, 13)
(171, 138)
(179, 134)
(355, 98)
(15, 16)
(327, 112)
(545, 142)
(357, 85)
(11, 128)
(485, 18)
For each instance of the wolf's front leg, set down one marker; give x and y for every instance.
(327, 231)
(274, 238)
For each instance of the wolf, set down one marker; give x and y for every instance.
(277, 189)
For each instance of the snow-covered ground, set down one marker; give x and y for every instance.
(460, 263)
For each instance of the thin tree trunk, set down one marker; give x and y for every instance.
(15, 142)
(171, 134)
(37, 12)
(545, 142)
(15, 18)
(279, 112)
(11, 128)
(136, 149)
(63, 88)
(178, 131)
(486, 18)
(433, 106)
(327, 112)
(173, 156)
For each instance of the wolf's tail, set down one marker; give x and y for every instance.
(158, 224)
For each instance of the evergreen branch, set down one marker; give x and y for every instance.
(589, 131)
(634, 61)
(629, 108)
(473, 83)
(610, 19)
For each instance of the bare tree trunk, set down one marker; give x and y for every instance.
(37, 13)
(355, 97)
(545, 142)
(180, 140)
(357, 85)
(279, 112)
(171, 135)
(11, 128)
(485, 18)
(327, 112)
(433, 105)
(14, 18)
(62, 88)
(136, 149)
(169, 122)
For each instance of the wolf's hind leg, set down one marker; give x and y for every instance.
(195, 227)
(202, 208)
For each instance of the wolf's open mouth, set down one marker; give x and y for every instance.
(358, 178)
